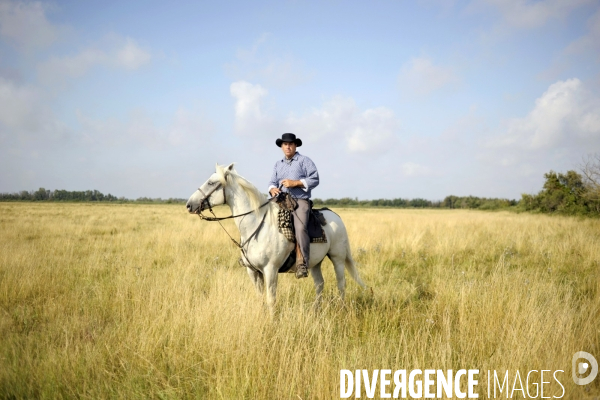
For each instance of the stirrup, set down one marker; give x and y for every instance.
(301, 271)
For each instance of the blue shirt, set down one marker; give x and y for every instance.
(298, 168)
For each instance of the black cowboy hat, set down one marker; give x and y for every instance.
(290, 138)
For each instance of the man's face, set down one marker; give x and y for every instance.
(289, 149)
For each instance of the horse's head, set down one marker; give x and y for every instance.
(210, 193)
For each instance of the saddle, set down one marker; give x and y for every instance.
(316, 219)
(287, 204)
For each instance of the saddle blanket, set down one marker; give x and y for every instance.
(315, 231)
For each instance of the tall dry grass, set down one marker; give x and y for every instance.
(145, 301)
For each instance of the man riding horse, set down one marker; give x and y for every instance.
(298, 176)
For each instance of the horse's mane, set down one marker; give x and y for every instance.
(254, 195)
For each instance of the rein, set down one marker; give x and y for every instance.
(214, 218)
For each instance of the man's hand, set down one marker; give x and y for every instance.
(274, 192)
(290, 183)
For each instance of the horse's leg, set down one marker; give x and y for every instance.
(317, 276)
(271, 279)
(338, 266)
(257, 279)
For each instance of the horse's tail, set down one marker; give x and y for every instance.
(351, 267)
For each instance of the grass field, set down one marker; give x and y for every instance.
(146, 301)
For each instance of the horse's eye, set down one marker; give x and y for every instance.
(210, 183)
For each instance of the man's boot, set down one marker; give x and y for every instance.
(301, 267)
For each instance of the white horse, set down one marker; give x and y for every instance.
(265, 249)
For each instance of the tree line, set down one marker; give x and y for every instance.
(564, 194)
(96, 196)
(571, 193)
(78, 196)
(470, 202)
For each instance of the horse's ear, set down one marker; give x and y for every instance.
(229, 168)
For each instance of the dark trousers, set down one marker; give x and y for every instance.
(301, 229)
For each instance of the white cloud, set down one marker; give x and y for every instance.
(71, 66)
(583, 51)
(248, 99)
(131, 56)
(421, 76)
(249, 117)
(338, 119)
(330, 122)
(139, 130)
(566, 112)
(24, 24)
(414, 169)
(24, 113)
(588, 44)
(526, 14)
(116, 53)
(17, 104)
(374, 130)
(250, 55)
(260, 63)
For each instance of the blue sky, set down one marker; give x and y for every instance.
(391, 99)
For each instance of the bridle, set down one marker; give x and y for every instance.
(209, 206)
(214, 218)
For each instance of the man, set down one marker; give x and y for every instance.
(297, 175)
